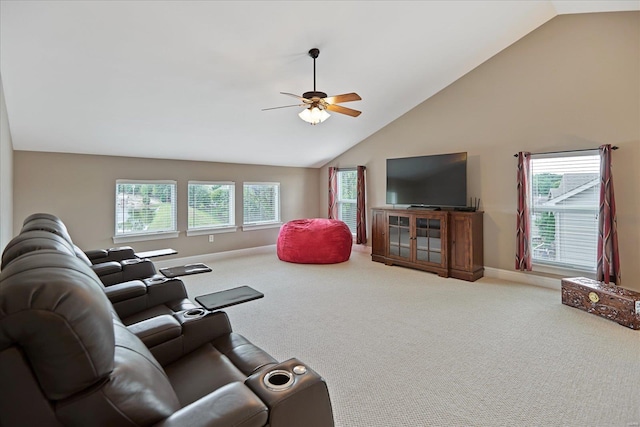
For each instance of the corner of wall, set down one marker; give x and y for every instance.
(6, 174)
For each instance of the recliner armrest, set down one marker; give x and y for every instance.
(304, 403)
(202, 328)
(245, 355)
(105, 268)
(133, 269)
(96, 254)
(231, 405)
(156, 330)
(162, 290)
(121, 253)
(125, 290)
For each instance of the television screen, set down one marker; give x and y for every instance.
(434, 181)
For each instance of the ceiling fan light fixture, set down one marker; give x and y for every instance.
(316, 103)
(314, 115)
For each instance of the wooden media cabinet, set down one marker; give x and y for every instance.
(449, 243)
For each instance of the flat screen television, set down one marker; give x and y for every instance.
(429, 181)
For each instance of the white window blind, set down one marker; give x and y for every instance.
(145, 207)
(211, 205)
(565, 191)
(261, 203)
(347, 197)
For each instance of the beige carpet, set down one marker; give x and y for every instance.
(400, 347)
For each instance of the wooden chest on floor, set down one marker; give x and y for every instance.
(605, 300)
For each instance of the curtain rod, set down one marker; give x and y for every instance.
(352, 168)
(567, 151)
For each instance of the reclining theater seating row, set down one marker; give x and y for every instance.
(134, 300)
(67, 358)
(111, 265)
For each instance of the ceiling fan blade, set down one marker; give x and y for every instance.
(305, 100)
(343, 110)
(339, 99)
(285, 106)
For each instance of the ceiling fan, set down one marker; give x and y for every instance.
(317, 103)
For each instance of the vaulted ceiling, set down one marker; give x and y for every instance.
(189, 79)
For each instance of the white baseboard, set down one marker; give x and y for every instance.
(231, 254)
(512, 276)
(361, 248)
(523, 277)
(214, 256)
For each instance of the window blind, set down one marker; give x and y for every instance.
(261, 202)
(565, 191)
(211, 205)
(145, 207)
(347, 198)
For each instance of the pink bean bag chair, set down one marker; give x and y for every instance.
(314, 241)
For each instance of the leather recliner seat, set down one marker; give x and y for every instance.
(67, 359)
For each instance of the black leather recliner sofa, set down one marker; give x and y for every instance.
(67, 359)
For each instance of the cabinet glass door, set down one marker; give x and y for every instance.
(429, 240)
(399, 237)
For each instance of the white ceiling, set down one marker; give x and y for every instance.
(188, 79)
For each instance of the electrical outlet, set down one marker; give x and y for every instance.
(210, 238)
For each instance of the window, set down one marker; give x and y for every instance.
(261, 204)
(347, 203)
(144, 209)
(565, 191)
(211, 207)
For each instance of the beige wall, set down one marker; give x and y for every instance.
(6, 175)
(571, 84)
(574, 83)
(80, 189)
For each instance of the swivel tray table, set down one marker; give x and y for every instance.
(229, 297)
(185, 270)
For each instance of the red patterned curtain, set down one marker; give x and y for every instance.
(608, 258)
(523, 228)
(333, 192)
(361, 220)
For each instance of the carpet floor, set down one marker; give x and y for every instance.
(400, 347)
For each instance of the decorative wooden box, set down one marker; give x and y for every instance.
(605, 300)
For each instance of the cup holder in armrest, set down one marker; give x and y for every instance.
(278, 380)
(293, 391)
(193, 313)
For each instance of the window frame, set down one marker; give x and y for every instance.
(559, 267)
(212, 229)
(257, 225)
(155, 235)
